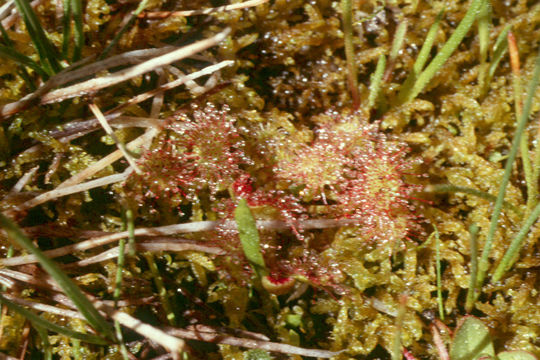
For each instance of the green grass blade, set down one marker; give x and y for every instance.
(39, 321)
(449, 47)
(66, 25)
(44, 47)
(515, 246)
(47, 352)
(118, 290)
(162, 290)
(397, 44)
(423, 55)
(78, 34)
(376, 79)
(10, 53)
(484, 260)
(473, 231)
(249, 237)
(352, 77)
(484, 20)
(499, 49)
(533, 195)
(22, 72)
(438, 269)
(82, 303)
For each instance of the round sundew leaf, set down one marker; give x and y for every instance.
(471, 341)
(516, 355)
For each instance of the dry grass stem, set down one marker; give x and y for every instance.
(169, 230)
(152, 247)
(165, 14)
(142, 140)
(99, 115)
(44, 307)
(56, 193)
(93, 85)
(19, 185)
(171, 85)
(171, 343)
(208, 334)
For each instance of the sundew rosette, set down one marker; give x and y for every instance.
(352, 170)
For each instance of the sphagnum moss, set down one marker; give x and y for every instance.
(292, 147)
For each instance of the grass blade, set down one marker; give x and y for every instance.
(449, 47)
(423, 55)
(376, 79)
(484, 260)
(66, 25)
(9, 53)
(78, 34)
(118, 286)
(515, 246)
(46, 51)
(499, 49)
(397, 44)
(45, 324)
(84, 305)
(484, 19)
(22, 72)
(438, 269)
(160, 286)
(352, 77)
(473, 230)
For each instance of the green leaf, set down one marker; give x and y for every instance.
(471, 341)
(408, 94)
(249, 237)
(38, 321)
(516, 355)
(483, 264)
(80, 300)
(46, 51)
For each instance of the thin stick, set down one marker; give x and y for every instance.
(207, 334)
(197, 226)
(99, 115)
(92, 85)
(56, 193)
(19, 185)
(107, 160)
(171, 343)
(149, 247)
(44, 307)
(165, 14)
(171, 85)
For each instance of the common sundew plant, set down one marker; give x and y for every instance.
(270, 179)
